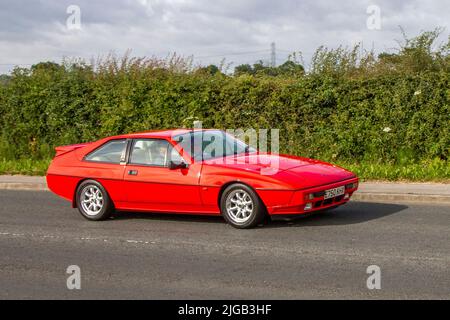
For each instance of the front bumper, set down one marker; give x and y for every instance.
(300, 202)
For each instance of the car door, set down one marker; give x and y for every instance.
(105, 164)
(152, 185)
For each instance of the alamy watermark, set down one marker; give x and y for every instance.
(73, 21)
(374, 280)
(373, 21)
(74, 280)
(232, 146)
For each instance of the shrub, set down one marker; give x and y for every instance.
(348, 109)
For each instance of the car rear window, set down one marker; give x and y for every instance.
(110, 152)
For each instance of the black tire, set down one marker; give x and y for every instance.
(258, 210)
(96, 212)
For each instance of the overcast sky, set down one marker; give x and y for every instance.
(239, 30)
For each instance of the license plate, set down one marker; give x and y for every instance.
(331, 193)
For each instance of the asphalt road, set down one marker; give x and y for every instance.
(148, 256)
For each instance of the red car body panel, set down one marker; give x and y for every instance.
(282, 182)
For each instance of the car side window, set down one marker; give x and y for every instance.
(150, 152)
(111, 152)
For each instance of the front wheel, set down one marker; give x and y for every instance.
(93, 201)
(241, 207)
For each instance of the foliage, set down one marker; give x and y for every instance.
(4, 79)
(289, 68)
(24, 166)
(391, 111)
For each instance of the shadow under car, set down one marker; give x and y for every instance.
(350, 213)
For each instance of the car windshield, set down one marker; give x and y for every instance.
(209, 144)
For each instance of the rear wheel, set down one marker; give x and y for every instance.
(93, 201)
(241, 207)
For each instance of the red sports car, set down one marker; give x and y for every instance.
(197, 172)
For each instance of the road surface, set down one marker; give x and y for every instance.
(149, 256)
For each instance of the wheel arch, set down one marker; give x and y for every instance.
(229, 183)
(74, 198)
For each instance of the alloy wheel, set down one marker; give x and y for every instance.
(239, 206)
(92, 200)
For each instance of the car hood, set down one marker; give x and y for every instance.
(317, 174)
(293, 172)
(261, 161)
(265, 161)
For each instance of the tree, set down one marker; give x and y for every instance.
(243, 69)
(288, 68)
(4, 79)
(210, 70)
(46, 66)
(417, 54)
(291, 68)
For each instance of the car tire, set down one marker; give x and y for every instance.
(93, 201)
(241, 206)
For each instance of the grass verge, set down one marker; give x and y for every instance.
(24, 166)
(426, 171)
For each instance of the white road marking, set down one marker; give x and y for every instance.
(256, 249)
(51, 236)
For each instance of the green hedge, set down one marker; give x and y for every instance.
(340, 119)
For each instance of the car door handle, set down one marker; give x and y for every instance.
(132, 172)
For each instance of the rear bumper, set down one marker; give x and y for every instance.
(63, 186)
(298, 203)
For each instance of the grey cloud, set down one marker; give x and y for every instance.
(31, 31)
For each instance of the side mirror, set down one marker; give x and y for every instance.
(177, 165)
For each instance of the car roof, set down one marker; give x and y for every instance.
(159, 133)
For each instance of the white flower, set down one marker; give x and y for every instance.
(416, 93)
(387, 129)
